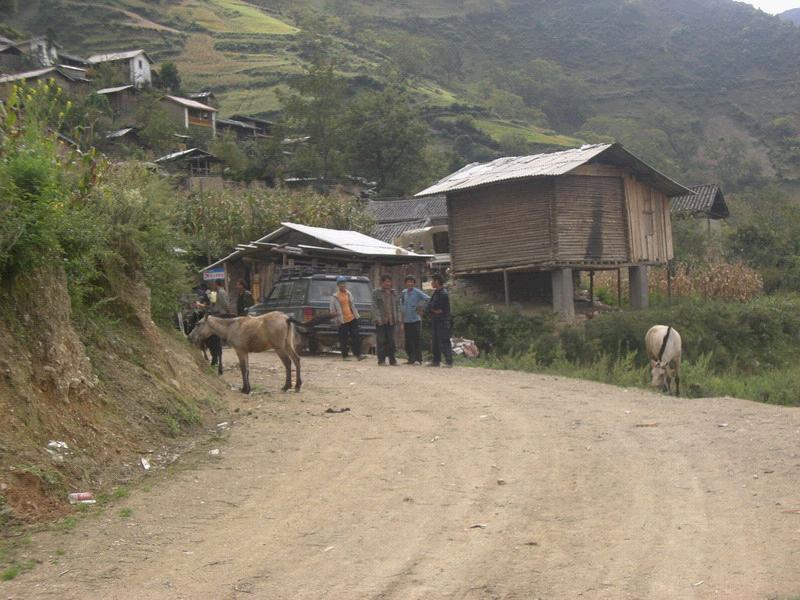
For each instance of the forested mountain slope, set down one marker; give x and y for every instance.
(701, 88)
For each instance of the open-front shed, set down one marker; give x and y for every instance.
(301, 248)
(591, 208)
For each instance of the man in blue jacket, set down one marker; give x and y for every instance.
(439, 310)
(412, 301)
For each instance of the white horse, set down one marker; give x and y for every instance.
(663, 345)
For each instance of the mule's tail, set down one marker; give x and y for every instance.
(311, 323)
(664, 343)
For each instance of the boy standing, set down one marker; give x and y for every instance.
(344, 310)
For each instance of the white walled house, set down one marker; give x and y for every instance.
(136, 64)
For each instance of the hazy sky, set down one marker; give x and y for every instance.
(775, 6)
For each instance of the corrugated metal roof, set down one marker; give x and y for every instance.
(234, 123)
(184, 154)
(114, 56)
(388, 232)
(707, 200)
(119, 133)
(408, 209)
(114, 90)
(26, 75)
(352, 241)
(548, 165)
(190, 103)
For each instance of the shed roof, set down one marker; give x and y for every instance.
(408, 209)
(26, 75)
(184, 154)
(114, 90)
(549, 165)
(190, 103)
(115, 56)
(352, 241)
(119, 133)
(388, 232)
(233, 123)
(707, 200)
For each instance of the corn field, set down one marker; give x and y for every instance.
(721, 281)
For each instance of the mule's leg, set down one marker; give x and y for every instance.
(245, 368)
(678, 376)
(218, 351)
(296, 360)
(287, 364)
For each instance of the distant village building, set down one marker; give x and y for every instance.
(121, 99)
(135, 66)
(190, 113)
(193, 162)
(706, 202)
(414, 223)
(262, 127)
(204, 97)
(75, 84)
(524, 224)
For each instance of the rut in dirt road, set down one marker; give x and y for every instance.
(462, 483)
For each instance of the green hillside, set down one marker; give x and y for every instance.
(704, 89)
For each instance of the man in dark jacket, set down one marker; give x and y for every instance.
(386, 312)
(439, 310)
(244, 300)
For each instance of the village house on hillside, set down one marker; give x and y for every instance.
(135, 66)
(524, 224)
(706, 203)
(190, 113)
(418, 224)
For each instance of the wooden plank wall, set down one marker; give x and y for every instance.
(591, 220)
(501, 226)
(649, 223)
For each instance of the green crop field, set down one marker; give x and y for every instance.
(231, 16)
(497, 130)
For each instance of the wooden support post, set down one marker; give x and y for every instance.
(591, 288)
(505, 287)
(619, 288)
(637, 280)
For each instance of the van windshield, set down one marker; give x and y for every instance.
(321, 291)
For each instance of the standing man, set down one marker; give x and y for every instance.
(439, 308)
(412, 301)
(386, 311)
(346, 314)
(244, 300)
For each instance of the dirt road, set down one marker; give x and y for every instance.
(463, 484)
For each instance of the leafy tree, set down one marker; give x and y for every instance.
(314, 108)
(156, 129)
(768, 238)
(9, 7)
(169, 77)
(386, 139)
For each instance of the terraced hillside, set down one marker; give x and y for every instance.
(689, 85)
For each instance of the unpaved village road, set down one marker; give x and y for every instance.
(463, 484)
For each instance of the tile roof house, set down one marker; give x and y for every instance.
(706, 201)
(135, 64)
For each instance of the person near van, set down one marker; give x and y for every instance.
(439, 310)
(386, 313)
(412, 301)
(346, 314)
(244, 300)
(221, 306)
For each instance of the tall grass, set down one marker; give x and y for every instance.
(729, 348)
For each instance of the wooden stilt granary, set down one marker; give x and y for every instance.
(591, 208)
